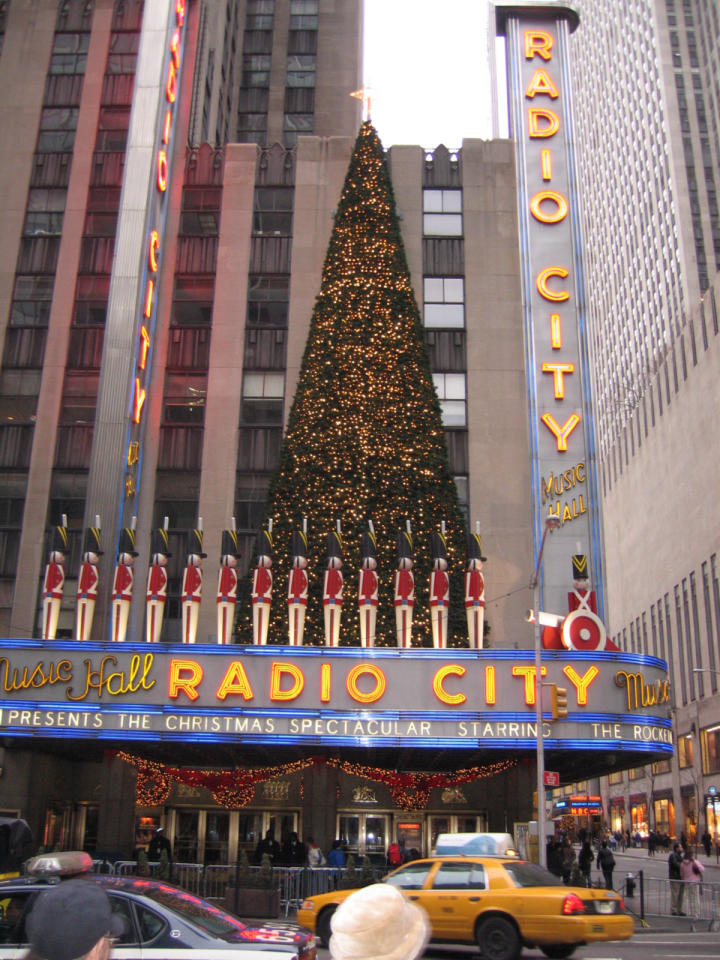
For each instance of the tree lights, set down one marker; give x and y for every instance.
(365, 440)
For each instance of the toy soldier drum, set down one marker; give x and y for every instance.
(88, 579)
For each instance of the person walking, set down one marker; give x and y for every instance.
(585, 861)
(676, 885)
(606, 863)
(72, 921)
(707, 843)
(691, 872)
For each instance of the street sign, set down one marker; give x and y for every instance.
(552, 778)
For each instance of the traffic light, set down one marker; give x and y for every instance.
(558, 702)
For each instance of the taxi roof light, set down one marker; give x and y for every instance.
(70, 863)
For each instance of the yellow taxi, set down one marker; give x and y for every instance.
(500, 903)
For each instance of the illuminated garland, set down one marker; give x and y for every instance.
(236, 788)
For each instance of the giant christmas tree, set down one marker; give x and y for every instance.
(365, 439)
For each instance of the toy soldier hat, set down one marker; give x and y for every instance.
(264, 542)
(437, 546)
(126, 543)
(298, 544)
(404, 545)
(160, 543)
(474, 547)
(195, 543)
(91, 541)
(368, 546)
(580, 567)
(229, 544)
(59, 540)
(334, 545)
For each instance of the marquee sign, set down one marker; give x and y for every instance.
(562, 444)
(461, 699)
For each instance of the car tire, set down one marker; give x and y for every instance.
(559, 951)
(322, 926)
(498, 939)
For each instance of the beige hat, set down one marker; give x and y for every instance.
(378, 923)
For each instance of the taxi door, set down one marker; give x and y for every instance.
(454, 899)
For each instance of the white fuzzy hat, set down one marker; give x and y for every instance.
(378, 923)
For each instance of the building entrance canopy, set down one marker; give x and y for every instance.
(313, 696)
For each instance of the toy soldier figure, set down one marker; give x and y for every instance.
(368, 588)
(192, 584)
(581, 597)
(88, 579)
(227, 583)
(157, 582)
(262, 585)
(54, 581)
(439, 589)
(404, 587)
(475, 591)
(333, 588)
(297, 587)
(123, 582)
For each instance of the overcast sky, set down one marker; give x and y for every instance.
(427, 64)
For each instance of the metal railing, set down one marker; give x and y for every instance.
(653, 897)
(210, 882)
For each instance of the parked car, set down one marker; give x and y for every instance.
(160, 920)
(502, 904)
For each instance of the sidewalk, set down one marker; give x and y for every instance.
(661, 855)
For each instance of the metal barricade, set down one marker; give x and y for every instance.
(217, 878)
(658, 899)
(189, 876)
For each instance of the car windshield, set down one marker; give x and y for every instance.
(530, 874)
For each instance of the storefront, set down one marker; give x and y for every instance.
(663, 812)
(639, 815)
(617, 814)
(688, 798)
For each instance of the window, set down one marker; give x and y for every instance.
(301, 70)
(637, 773)
(710, 743)
(268, 301)
(444, 299)
(614, 778)
(442, 213)
(685, 750)
(460, 876)
(410, 877)
(262, 398)
(452, 390)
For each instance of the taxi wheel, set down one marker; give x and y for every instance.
(498, 939)
(559, 951)
(323, 925)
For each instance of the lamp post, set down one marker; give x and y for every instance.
(552, 522)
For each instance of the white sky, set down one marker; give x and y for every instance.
(426, 62)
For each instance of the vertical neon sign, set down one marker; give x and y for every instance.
(152, 259)
(559, 404)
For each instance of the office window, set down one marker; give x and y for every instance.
(442, 213)
(452, 390)
(710, 746)
(301, 70)
(685, 750)
(444, 302)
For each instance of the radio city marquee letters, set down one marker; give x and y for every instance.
(564, 478)
(464, 698)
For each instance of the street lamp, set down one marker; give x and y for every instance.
(552, 522)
